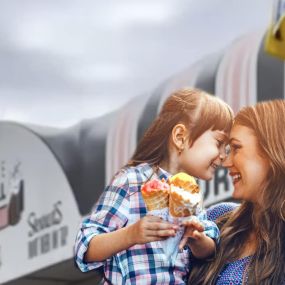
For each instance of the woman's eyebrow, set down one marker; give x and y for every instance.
(234, 139)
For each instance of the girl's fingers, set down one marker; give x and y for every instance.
(190, 234)
(195, 235)
(153, 218)
(161, 233)
(166, 233)
(155, 238)
(162, 226)
(155, 222)
(198, 234)
(183, 242)
(194, 224)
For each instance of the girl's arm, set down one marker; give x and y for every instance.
(147, 229)
(105, 245)
(202, 246)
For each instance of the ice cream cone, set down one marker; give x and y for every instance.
(177, 207)
(180, 206)
(156, 200)
(184, 195)
(155, 194)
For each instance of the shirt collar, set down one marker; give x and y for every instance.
(154, 172)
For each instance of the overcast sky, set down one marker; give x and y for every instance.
(64, 60)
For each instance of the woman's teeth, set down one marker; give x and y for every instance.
(236, 178)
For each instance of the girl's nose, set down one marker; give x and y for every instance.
(222, 157)
(223, 154)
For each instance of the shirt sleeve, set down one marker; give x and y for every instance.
(211, 229)
(208, 218)
(218, 210)
(110, 213)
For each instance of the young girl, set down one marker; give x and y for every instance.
(189, 135)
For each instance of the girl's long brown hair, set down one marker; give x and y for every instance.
(196, 109)
(267, 120)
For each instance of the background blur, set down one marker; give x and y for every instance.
(80, 81)
(64, 60)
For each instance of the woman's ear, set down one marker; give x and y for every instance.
(179, 136)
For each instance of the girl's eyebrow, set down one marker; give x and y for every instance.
(222, 135)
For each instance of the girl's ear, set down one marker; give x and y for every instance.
(179, 136)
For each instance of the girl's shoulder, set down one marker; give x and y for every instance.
(220, 209)
(120, 178)
(129, 175)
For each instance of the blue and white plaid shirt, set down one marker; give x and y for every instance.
(121, 204)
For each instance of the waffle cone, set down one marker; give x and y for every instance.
(156, 200)
(178, 207)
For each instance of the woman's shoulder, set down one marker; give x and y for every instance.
(220, 209)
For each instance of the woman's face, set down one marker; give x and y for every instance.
(247, 167)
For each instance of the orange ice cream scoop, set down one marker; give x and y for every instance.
(155, 194)
(184, 181)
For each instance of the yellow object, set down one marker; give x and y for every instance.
(275, 36)
(185, 181)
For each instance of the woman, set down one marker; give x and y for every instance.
(252, 244)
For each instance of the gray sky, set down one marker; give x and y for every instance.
(64, 60)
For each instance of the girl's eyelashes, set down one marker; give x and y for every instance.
(220, 142)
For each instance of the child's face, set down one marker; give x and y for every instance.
(205, 154)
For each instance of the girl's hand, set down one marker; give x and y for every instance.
(194, 230)
(151, 228)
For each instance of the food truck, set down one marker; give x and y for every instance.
(51, 178)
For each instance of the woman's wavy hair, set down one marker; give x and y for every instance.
(267, 121)
(196, 109)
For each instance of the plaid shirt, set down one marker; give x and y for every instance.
(121, 204)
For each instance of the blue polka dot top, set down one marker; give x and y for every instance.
(233, 272)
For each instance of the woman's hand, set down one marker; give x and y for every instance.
(151, 228)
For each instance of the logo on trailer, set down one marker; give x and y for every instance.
(11, 194)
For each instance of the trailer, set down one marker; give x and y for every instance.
(51, 178)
